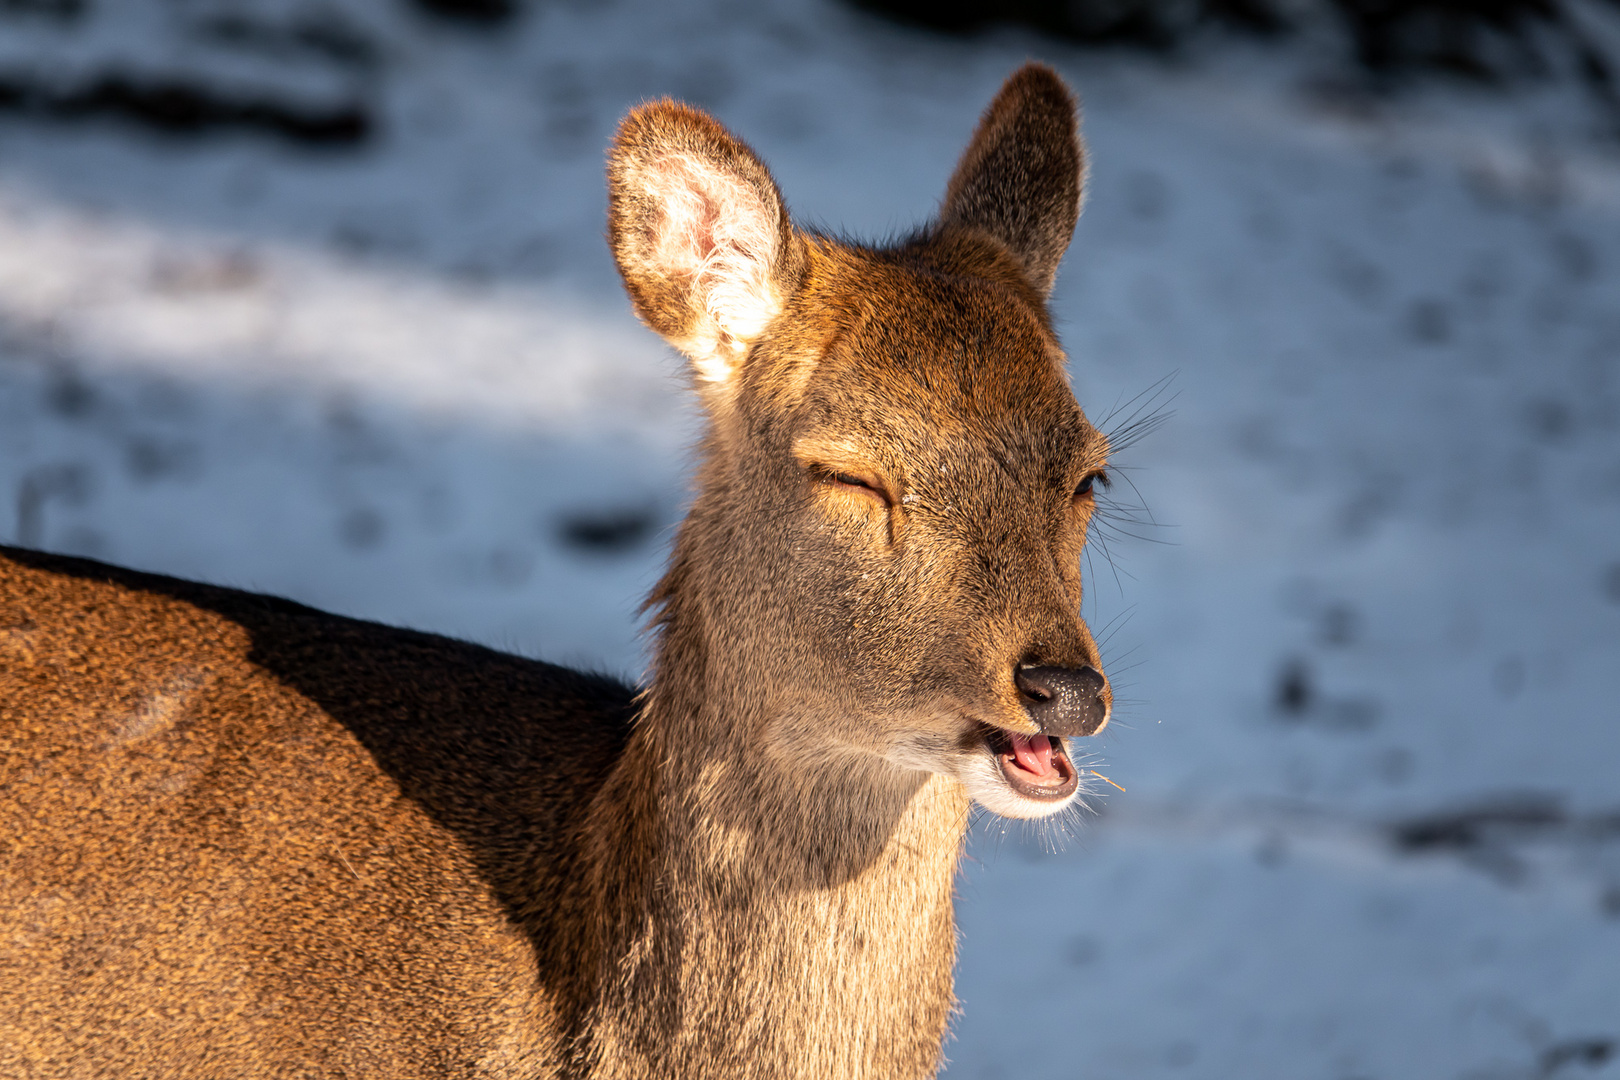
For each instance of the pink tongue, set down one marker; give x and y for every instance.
(1033, 754)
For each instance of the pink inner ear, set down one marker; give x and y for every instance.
(716, 232)
(686, 237)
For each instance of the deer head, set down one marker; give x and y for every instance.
(881, 571)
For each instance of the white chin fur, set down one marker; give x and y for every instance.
(982, 778)
(990, 790)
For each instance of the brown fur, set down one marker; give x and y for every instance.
(239, 837)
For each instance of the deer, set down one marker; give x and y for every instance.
(240, 837)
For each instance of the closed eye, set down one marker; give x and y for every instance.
(860, 484)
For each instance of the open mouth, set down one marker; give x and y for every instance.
(1035, 766)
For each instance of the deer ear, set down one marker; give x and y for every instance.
(1022, 177)
(700, 234)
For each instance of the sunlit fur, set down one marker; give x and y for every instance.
(717, 233)
(246, 838)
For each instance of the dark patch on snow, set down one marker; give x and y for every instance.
(1294, 694)
(608, 532)
(1359, 277)
(1484, 40)
(148, 458)
(321, 36)
(1496, 836)
(488, 13)
(1550, 421)
(1590, 1053)
(362, 528)
(1374, 503)
(64, 10)
(1429, 322)
(1473, 828)
(1153, 24)
(1489, 42)
(178, 105)
(69, 483)
(1298, 700)
(1575, 256)
(68, 395)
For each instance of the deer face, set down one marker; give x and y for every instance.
(923, 495)
(898, 479)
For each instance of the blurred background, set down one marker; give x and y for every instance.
(312, 298)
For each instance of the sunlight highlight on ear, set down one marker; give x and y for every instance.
(716, 232)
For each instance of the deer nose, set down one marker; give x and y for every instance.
(1063, 701)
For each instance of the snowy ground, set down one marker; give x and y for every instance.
(1372, 828)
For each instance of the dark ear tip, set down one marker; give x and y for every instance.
(1034, 77)
(1036, 88)
(663, 122)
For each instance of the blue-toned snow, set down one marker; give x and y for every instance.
(387, 382)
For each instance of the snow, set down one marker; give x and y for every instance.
(392, 380)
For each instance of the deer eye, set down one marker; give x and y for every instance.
(1086, 485)
(859, 483)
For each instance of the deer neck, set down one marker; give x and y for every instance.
(784, 918)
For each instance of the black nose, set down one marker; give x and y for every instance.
(1063, 701)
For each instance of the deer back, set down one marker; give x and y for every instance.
(244, 837)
